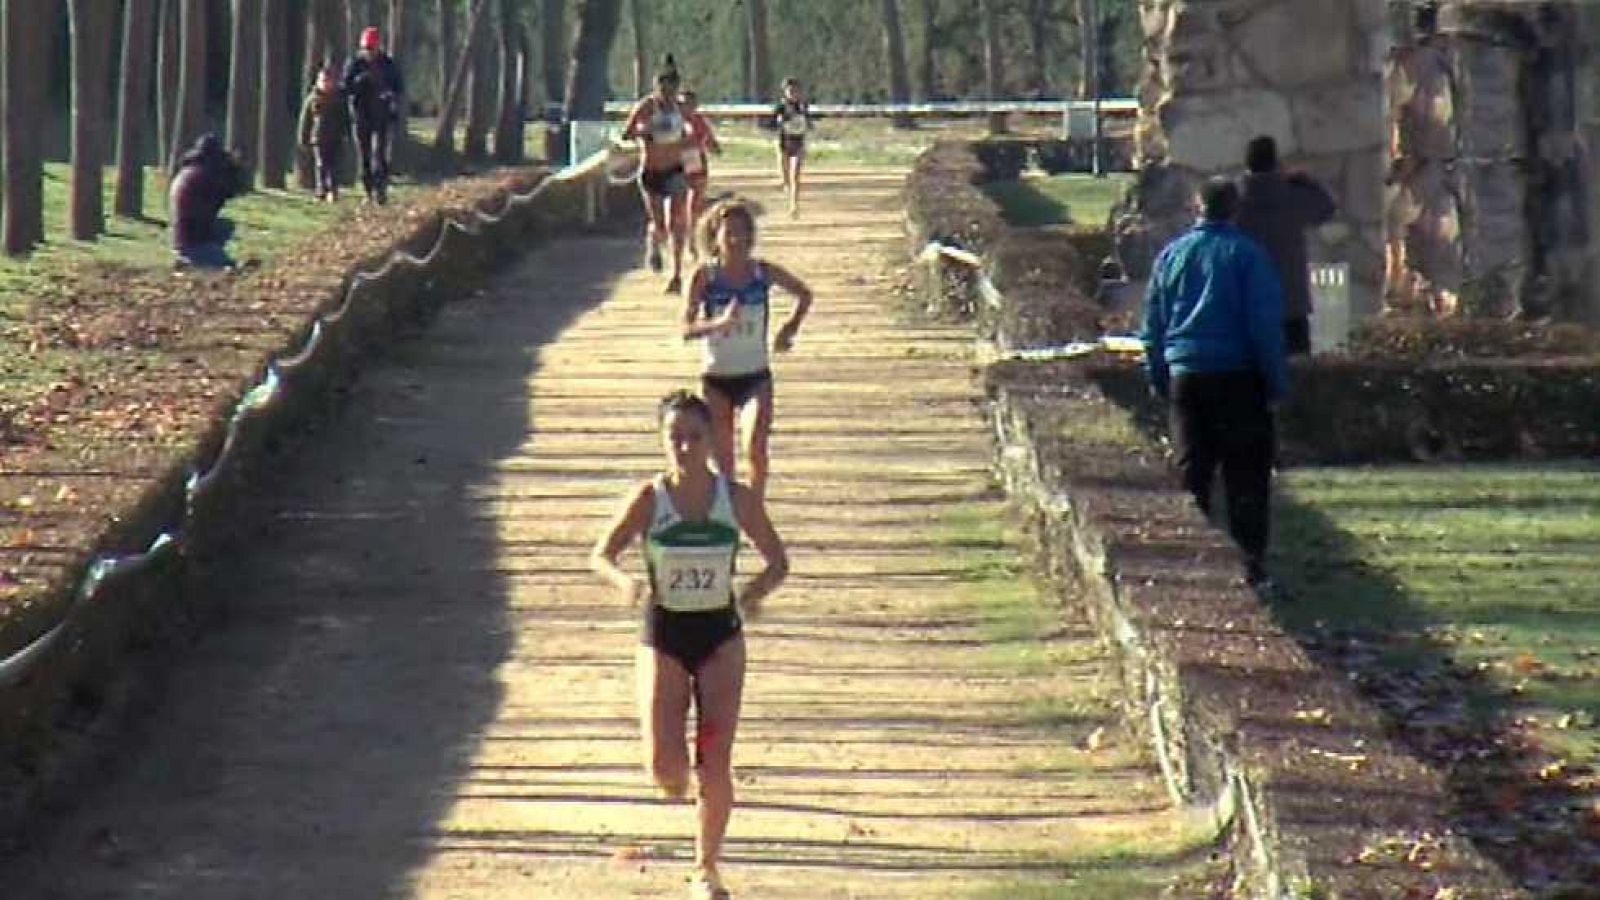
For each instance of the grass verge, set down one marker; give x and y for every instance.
(1038, 199)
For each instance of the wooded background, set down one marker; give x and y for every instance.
(133, 82)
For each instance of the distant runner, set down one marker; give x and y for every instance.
(658, 124)
(793, 119)
(727, 307)
(692, 643)
(696, 164)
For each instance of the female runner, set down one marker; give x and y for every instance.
(727, 307)
(657, 123)
(692, 643)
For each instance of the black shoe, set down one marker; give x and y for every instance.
(652, 258)
(675, 286)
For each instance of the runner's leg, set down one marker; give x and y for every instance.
(719, 692)
(758, 430)
(664, 693)
(723, 417)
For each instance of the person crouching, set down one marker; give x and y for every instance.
(208, 176)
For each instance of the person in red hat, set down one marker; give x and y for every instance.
(374, 87)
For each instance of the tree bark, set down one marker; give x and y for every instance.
(524, 82)
(444, 135)
(22, 55)
(507, 136)
(191, 78)
(591, 51)
(894, 46)
(1041, 13)
(760, 58)
(445, 11)
(133, 106)
(480, 93)
(993, 62)
(244, 79)
(273, 136)
(553, 40)
(1088, 36)
(91, 45)
(168, 54)
(927, 75)
(642, 83)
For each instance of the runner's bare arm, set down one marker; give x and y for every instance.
(751, 512)
(629, 524)
(802, 294)
(636, 119)
(696, 327)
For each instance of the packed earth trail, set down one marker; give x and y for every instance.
(415, 688)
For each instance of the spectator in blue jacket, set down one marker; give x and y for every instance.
(1214, 350)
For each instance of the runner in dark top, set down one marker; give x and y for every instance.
(793, 119)
(375, 89)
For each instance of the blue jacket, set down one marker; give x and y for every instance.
(1214, 305)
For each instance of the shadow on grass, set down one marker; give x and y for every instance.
(1525, 808)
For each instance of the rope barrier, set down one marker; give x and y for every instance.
(262, 396)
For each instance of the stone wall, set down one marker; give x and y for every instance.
(1307, 72)
(1458, 135)
(1493, 110)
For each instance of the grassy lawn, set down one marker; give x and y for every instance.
(1068, 199)
(1499, 564)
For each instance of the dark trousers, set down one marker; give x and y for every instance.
(1222, 420)
(372, 142)
(1297, 336)
(328, 168)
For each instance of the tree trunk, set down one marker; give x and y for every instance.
(22, 55)
(480, 93)
(133, 106)
(927, 76)
(524, 82)
(399, 38)
(747, 79)
(591, 52)
(894, 45)
(1041, 14)
(191, 79)
(642, 83)
(445, 11)
(274, 133)
(244, 79)
(760, 58)
(993, 63)
(445, 133)
(91, 45)
(353, 20)
(1087, 50)
(507, 139)
(168, 54)
(553, 40)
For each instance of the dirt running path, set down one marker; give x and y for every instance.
(418, 691)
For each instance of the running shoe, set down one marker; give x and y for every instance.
(675, 286)
(652, 258)
(707, 886)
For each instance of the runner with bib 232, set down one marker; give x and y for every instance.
(727, 307)
(692, 643)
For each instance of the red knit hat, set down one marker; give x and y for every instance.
(371, 39)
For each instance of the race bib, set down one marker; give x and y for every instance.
(694, 579)
(743, 348)
(694, 161)
(796, 125)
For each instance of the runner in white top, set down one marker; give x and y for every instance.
(728, 308)
(692, 642)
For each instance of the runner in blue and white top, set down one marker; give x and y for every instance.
(728, 308)
(692, 641)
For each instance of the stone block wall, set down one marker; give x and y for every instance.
(1307, 72)
(1493, 114)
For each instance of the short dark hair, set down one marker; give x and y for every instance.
(1219, 199)
(1261, 154)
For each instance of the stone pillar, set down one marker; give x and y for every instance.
(1492, 115)
(1219, 72)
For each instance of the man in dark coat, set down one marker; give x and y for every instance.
(208, 176)
(1213, 345)
(375, 89)
(1277, 209)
